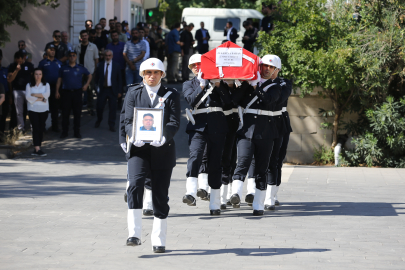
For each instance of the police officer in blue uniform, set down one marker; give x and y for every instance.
(155, 159)
(255, 134)
(50, 67)
(5, 107)
(209, 130)
(70, 78)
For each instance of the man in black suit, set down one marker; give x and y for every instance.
(202, 36)
(109, 82)
(230, 32)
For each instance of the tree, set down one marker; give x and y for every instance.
(340, 47)
(10, 13)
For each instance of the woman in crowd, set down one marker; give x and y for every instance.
(37, 94)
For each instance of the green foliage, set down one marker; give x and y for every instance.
(324, 155)
(383, 143)
(356, 62)
(10, 13)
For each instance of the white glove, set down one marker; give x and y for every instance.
(229, 82)
(124, 147)
(215, 81)
(138, 143)
(203, 83)
(156, 143)
(254, 82)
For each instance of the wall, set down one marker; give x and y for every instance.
(306, 122)
(42, 21)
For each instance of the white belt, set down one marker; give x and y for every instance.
(284, 109)
(231, 111)
(208, 110)
(228, 112)
(263, 112)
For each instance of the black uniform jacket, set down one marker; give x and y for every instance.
(214, 121)
(163, 157)
(257, 126)
(286, 90)
(233, 118)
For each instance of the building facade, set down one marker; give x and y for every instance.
(70, 16)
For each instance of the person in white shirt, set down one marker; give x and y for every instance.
(37, 94)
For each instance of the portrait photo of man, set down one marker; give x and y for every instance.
(147, 123)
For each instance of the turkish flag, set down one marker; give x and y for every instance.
(246, 72)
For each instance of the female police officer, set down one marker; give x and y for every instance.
(156, 159)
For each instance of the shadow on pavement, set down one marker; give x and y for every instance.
(236, 251)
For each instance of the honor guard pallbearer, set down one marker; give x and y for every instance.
(255, 134)
(207, 127)
(156, 159)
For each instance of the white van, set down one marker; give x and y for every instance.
(215, 20)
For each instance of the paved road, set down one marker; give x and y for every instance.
(67, 212)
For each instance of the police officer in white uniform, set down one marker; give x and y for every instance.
(156, 159)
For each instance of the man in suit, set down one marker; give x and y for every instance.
(109, 82)
(202, 36)
(230, 32)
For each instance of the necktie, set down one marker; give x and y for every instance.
(106, 76)
(151, 97)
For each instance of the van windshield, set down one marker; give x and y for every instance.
(220, 23)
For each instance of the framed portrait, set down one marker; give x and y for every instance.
(148, 124)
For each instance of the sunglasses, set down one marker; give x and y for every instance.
(57, 36)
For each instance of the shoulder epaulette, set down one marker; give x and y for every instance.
(134, 86)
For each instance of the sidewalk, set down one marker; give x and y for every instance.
(67, 211)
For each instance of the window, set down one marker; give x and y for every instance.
(220, 23)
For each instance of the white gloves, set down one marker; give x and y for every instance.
(255, 82)
(137, 143)
(124, 147)
(215, 81)
(203, 83)
(156, 143)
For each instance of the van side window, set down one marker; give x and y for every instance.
(220, 23)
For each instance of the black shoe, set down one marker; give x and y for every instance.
(63, 135)
(125, 197)
(38, 153)
(91, 112)
(250, 204)
(277, 203)
(55, 129)
(258, 212)
(249, 198)
(159, 249)
(223, 206)
(269, 207)
(134, 241)
(97, 124)
(112, 129)
(216, 212)
(236, 205)
(189, 200)
(77, 135)
(202, 193)
(147, 212)
(234, 199)
(228, 203)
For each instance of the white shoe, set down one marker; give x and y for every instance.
(215, 202)
(237, 186)
(159, 232)
(134, 219)
(191, 186)
(258, 202)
